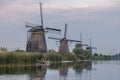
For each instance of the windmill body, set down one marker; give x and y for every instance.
(36, 40)
(63, 48)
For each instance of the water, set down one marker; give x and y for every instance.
(96, 70)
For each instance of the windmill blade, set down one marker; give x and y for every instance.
(84, 44)
(93, 47)
(54, 38)
(57, 43)
(41, 14)
(53, 30)
(81, 37)
(31, 25)
(65, 33)
(73, 40)
(90, 42)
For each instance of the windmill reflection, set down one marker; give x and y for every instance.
(63, 71)
(39, 74)
(79, 67)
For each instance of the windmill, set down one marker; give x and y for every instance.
(90, 48)
(63, 43)
(36, 40)
(80, 44)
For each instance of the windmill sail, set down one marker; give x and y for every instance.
(41, 14)
(54, 38)
(27, 24)
(53, 30)
(73, 40)
(65, 33)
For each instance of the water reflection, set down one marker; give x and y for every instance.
(17, 70)
(40, 72)
(77, 67)
(80, 66)
(63, 71)
(96, 70)
(62, 68)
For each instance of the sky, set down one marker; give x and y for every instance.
(95, 19)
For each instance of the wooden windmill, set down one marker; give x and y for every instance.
(80, 44)
(36, 41)
(63, 43)
(90, 48)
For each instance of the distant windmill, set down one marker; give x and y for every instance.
(63, 46)
(36, 41)
(89, 48)
(80, 44)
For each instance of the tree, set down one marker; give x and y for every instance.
(82, 54)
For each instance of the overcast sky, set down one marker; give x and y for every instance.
(96, 19)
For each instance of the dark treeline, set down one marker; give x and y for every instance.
(106, 57)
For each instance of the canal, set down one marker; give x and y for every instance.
(84, 70)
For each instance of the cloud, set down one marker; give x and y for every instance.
(17, 10)
(52, 5)
(6, 2)
(116, 2)
(98, 19)
(71, 4)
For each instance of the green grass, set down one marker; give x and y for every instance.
(14, 58)
(21, 58)
(58, 57)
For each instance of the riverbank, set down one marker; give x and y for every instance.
(18, 59)
(11, 59)
(27, 59)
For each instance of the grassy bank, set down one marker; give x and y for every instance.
(10, 59)
(21, 58)
(58, 57)
(26, 59)
(16, 59)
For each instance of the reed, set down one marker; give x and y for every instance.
(58, 57)
(13, 58)
(24, 58)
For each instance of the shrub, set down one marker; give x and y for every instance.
(54, 57)
(82, 54)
